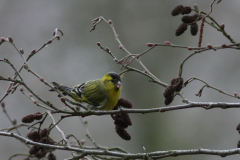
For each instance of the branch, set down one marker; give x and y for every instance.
(153, 155)
(190, 104)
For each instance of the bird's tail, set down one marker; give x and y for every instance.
(62, 88)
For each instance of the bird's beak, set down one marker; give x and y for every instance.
(119, 84)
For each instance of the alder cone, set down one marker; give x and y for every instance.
(194, 29)
(28, 119)
(123, 133)
(124, 103)
(181, 29)
(168, 100)
(177, 10)
(126, 119)
(177, 83)
(189, 19)
(168, 92)
(186, 10)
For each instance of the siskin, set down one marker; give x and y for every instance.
(101, 94)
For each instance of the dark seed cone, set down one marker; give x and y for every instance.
(28, 119)
(117, 116)
(177, 83)
(44, 140)
(181, 29)
(168, 92)
(40, 154)
(33, 150)
(43, 133)
(186, 10)
(123, 133)
(34, 136)
(169, 100)
(238, 127)
(51, 156)
(126, 119)
(120, 123)
(194, 29)
(38, 116)
(124, 103)
(238, 144)
(177, 10)
(189, 19)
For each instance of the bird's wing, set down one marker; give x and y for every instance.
(92, 92)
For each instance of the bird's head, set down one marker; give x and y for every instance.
(113, 79)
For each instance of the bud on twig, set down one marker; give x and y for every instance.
(224, 45)
(82, 141)
(2, 39)
(21, 51)
(110, 21)
(21, 89)
(150, 44)
(14, 122)
(209, 46)
(41, 79)
(98, 43)
(25, 66)
(3, 104)
(195, 6)
(33, 51)
(10, 39)
(222, 26)
(167, 43)
(63, 99)
(49, 42)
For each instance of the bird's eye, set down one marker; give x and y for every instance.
(112, 80)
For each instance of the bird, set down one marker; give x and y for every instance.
(99, 94)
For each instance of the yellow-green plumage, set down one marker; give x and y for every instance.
(102, 94)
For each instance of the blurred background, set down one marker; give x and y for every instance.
(76, 58)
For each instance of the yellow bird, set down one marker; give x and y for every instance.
(102, 94)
